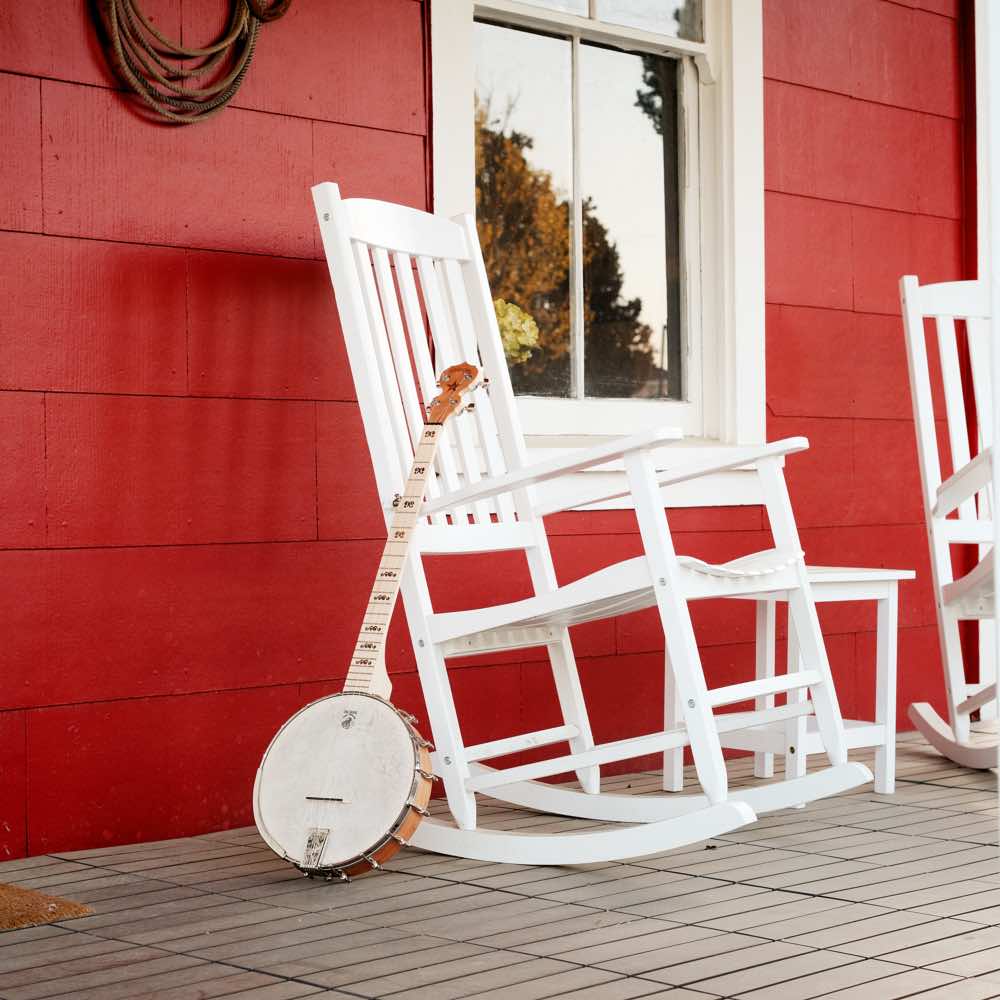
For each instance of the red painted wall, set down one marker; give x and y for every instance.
(188, 517)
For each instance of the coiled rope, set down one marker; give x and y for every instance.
(152, 66)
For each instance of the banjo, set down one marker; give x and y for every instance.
(347, 779)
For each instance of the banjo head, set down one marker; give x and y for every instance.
(337, 780)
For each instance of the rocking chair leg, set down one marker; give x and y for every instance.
(564, 672)
(763, 763)
(987, 666)
(802, 614)
(885, 693)
(450, 762)
(681, 645)
(673, 760)
(954, 673)
(574, 709)
(795, 729)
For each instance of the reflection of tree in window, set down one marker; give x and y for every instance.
(524, 229)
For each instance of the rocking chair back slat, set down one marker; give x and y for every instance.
(449, 353)
(446, 474)
(488, 435)
(502, 404)
(397, 343)
(954, 401)
(978, 330)
(385, 369)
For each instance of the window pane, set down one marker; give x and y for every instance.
(628, 181)
(572, 6)
(681, 18)
(523, 194)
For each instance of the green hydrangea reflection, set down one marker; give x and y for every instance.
(518, 331)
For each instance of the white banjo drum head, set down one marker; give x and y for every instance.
(345, 764)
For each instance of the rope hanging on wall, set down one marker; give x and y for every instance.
(153, 66)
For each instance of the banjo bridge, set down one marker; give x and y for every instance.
(322, 798)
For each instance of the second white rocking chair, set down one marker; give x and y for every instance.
(958, 509)
(482, 500)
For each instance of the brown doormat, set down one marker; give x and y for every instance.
(25, 908)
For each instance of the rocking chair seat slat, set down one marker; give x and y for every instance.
(620, 589)
(974, 591)
(964, 484)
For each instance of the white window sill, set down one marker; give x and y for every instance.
(734, 488)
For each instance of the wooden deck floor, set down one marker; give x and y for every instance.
(857, 897)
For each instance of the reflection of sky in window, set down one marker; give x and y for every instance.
(652, 15)
(621, 167)
(573, 6)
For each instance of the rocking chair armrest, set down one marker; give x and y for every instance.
(964, 484)
(733, 458)
(562, 465)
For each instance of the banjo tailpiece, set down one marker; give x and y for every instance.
(315, 843)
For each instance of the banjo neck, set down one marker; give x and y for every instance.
(369, 650)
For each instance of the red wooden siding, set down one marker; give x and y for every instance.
(188, 508)
(864, 141)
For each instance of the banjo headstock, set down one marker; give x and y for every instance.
(456, 384)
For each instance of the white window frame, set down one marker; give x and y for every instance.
(722, 225)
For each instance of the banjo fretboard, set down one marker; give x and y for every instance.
(370, 647)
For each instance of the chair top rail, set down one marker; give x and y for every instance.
(958, 299)
(406, 230)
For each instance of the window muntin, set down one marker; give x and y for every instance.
(578, 210)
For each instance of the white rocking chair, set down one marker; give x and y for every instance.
(482, 500)
(958, 509)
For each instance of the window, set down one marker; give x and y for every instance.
(592, 257)
(612, 151)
